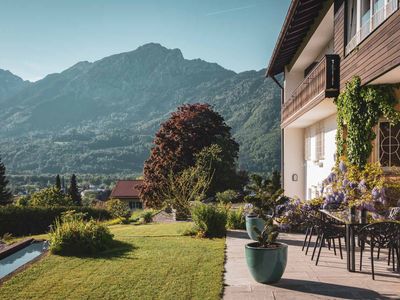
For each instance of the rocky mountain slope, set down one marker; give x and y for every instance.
(101, 117)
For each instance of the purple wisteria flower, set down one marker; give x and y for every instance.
(334, 200)
(331, 178)
(368, 206)
(345, 183)
(342, 167)
(353, 185)
(284, 226)
(362, 186)
(376, 193)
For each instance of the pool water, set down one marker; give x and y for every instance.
(21, 257)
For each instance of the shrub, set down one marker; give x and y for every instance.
(236, 219)
(228, 196)
(28, 220)
(22, 200)
(119, 209)
(210, 221)
(147, 216)
(71, 235)
(51, 196)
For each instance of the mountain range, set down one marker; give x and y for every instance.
(100, 117)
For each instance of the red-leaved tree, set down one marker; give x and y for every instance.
(191, 128)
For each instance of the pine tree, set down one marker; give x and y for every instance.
(5, 194)
(58, 182)
(73, 191)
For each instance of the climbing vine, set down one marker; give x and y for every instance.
(359, 109)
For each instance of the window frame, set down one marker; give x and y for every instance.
(378, 152)
(358, 36)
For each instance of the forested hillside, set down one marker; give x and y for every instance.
(100, 117)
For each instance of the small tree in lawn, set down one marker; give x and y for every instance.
(192, 183)
(119, 209)
(190, 129)
(5, 194)
(74, 192)
(58, 182)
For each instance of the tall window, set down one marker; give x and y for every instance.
(320, 142)
(307, 144)
(351, 22)
(389, 145)
(363, 16)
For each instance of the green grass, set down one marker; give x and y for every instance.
(152, 262)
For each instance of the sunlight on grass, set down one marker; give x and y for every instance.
(158, 264)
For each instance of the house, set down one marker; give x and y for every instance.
(321, 46)
(128, 191)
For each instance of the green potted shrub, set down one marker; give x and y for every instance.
(266, 258)
(265, 195)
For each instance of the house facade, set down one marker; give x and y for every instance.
(128, 191)
(322, 45)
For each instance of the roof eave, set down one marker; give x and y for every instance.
(289, 15)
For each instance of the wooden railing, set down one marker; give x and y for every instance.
(322, 82)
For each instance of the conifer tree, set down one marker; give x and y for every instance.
(5, 194)
(58, 182)
(74, 192)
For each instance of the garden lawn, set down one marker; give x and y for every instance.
(152, 262)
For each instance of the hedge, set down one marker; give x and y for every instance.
(20, 221)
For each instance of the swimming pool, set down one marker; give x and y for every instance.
(12, 262)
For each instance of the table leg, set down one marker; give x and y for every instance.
(348, 247)
(353, 249)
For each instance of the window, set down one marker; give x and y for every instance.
(307, 144)
(135, 205)
(351, 24)
(363, 16)
(389, 145)
(320, 142)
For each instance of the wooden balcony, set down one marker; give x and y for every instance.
(323, 81)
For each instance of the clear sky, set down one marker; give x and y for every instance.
(39, 37)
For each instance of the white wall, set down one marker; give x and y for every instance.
(294, 162)
(292, 80)
(318, 171)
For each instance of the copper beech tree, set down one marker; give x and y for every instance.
(190, 129)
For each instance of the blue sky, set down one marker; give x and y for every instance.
(39, 37)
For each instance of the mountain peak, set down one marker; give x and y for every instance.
(157, 49)
(6, 74)
(10, 84)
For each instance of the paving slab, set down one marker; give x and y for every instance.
(302, 279)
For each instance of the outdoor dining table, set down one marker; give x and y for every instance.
(353, 223)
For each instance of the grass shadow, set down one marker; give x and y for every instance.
(118, 249)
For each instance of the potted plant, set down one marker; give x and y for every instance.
(265, 195)
(266, 258)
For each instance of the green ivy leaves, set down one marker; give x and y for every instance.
(359, 109)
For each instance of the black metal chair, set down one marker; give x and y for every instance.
(382, 235)
(311, 222)
(327, 233)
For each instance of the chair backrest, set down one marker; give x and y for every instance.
(382, 234)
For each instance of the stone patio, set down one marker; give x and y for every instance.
(303, 280)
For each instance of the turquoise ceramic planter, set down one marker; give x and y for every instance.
(250, 223)
(266, 265)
